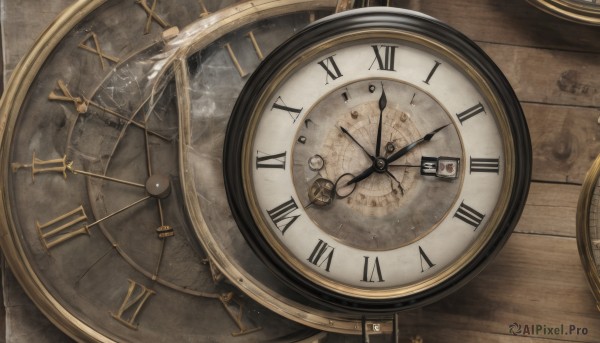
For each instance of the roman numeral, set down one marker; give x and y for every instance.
(468, 215)
(331, 68)
(151, 16)
(58, 165)
(53, 233)
(259, 53)
(485, 165)
(388, 60)
(322, 253)
(136, 297)
(276, 161)
(236, 307)
(424, 257)
(91, 44)
(294, 113)
(368, 277)
(280, 215)
(470, 112)
(81, 104)
(437, 64)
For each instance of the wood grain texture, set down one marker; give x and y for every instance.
(565, 141)
(550, 210)
(511, 22)
(535, 280)
(569, 78)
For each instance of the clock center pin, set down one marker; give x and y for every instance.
(158, 186)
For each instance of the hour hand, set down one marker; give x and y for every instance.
(365, 174)
(382, 106)
(357, 143)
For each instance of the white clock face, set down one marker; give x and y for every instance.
(375, 164)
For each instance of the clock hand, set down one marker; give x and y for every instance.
(365, 174)
(414, 144)
(357, 143)
(382, 106)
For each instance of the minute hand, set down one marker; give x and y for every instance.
(412, 145)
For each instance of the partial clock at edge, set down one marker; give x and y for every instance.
(588, 231)
(579, 11)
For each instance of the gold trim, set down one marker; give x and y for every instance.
(584, 241)
(579, 12)
(489, 229)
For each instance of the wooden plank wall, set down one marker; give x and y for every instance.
(554, 67)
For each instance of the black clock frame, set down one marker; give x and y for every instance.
(360, 19)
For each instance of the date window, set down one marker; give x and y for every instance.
(442, 167)
(448, 167)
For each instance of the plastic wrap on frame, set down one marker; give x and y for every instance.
(214, 86)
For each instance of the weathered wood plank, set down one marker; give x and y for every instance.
(24, 22)
(550, 210)
(534, 280)
(513, 22)
(550, 76)
(565, 141)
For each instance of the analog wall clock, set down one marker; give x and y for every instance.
(376, 160)
(93, 222)
(588, 231)
(581, 11)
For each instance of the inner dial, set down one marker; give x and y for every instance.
(396, 205)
